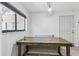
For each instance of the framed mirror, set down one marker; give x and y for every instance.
(12, 19)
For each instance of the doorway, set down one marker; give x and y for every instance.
(66, 27)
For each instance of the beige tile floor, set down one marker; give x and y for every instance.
(74, 51)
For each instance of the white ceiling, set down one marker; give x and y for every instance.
(56, 6)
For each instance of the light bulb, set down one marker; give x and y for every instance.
(50, 9)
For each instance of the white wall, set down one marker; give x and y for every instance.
(9, 42)
(43, 24)
(0, 31)
(9, 39)
(0, 37)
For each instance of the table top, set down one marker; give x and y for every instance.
(43, 40)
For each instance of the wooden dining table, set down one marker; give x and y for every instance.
(55, 41)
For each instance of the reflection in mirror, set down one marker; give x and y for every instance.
(11, 21)
(8, 22)
(20, 22)
(8, 18)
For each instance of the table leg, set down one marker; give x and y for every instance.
(68, 50)
(59, 51)
(27, 49)
(19, 50)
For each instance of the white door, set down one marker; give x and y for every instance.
(66, 27)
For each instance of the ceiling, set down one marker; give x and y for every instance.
(56, 6)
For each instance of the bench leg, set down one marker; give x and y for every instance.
(59, 51)
(19, 50)
(27, 49)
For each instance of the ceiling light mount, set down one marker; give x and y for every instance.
(49, 6)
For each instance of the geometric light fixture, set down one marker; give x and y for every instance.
(49, 6)
(50, 11)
